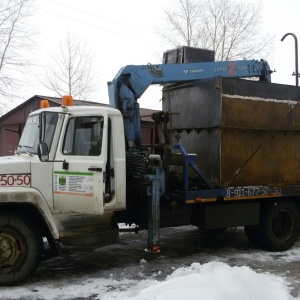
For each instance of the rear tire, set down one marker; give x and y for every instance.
(279, 228)
(20, 248)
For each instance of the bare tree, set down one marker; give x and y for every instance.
(183, 24)
(15, 40)
(70, 72)
(232, 28)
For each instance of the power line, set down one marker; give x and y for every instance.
(99, 27)
(101, 17)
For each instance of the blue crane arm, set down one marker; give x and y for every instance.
(132, 81)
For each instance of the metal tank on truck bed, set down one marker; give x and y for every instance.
(215, 167)
(245, 133)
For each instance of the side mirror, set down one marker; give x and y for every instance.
(43, 152)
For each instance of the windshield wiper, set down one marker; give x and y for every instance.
(25, 147)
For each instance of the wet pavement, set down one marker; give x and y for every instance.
(180, 247)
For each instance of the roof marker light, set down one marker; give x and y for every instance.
(44, 104)
(67, 101)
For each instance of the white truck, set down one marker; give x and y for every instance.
(79, 171)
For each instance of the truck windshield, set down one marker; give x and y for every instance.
(30, 138)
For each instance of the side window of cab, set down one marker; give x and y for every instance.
(83, 136)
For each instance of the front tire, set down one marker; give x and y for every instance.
(20, 248)
(279, 228)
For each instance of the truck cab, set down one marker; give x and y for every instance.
(64, 182)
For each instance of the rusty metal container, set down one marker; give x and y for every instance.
(244, 132)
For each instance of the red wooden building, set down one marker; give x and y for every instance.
(12, 123)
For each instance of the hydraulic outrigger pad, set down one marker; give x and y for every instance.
(154, 248)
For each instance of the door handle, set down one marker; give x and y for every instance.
(95, 169)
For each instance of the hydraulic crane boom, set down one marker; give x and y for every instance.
(132, 81)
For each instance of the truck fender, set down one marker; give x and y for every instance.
(14, 195)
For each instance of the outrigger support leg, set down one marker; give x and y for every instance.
(154, 212)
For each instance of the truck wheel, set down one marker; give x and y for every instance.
(20, 249)
(279, 228)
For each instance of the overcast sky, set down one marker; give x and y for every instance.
(123, 32)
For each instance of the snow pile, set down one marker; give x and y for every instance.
(217, 281)
(210, 281)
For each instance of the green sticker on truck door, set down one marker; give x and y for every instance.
(73, 183)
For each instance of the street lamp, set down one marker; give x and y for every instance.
(296, 54)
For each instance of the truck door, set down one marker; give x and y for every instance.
(79, 166)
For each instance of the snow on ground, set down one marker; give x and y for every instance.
(193, 265)
(214, 280)
(218, 281)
